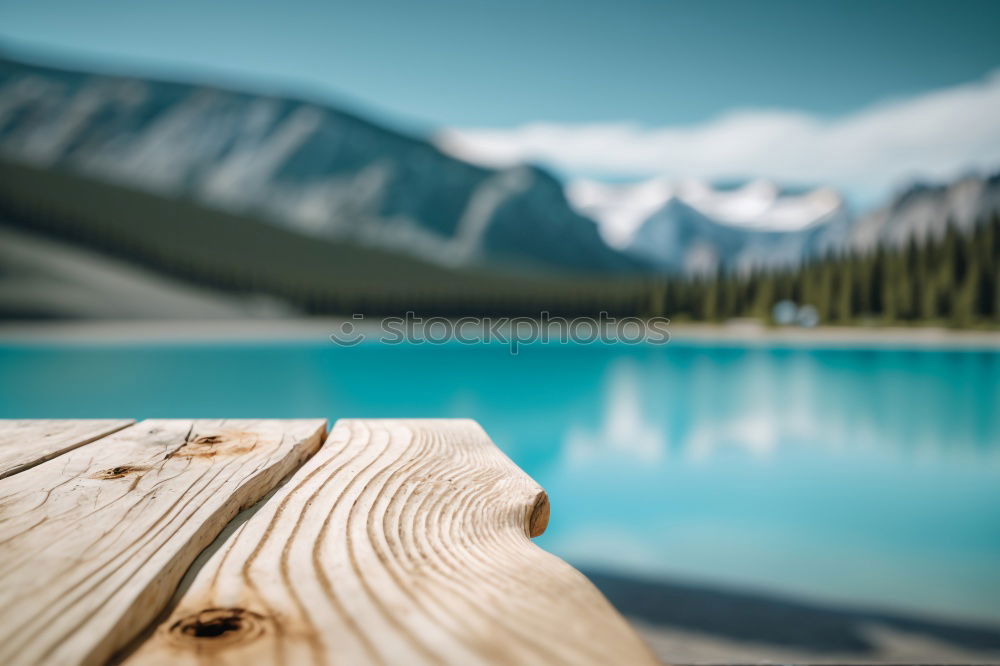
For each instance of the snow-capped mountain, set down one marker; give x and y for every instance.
(760, 205)
(923, 211)
(691, 226)
(294, 163)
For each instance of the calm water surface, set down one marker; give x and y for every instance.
(864, 476)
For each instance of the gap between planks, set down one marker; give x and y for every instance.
(25, 443)
(94, 541)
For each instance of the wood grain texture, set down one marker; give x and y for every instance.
(400, 542)
(25, 443)
(94, 542)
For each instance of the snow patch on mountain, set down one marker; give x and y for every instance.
(761, 205)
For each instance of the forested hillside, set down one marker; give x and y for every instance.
(948, 279)
(952, 280)
(245, 255)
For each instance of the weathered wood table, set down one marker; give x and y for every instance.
(246, 542)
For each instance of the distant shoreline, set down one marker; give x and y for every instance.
(319, 329)
(834, 336)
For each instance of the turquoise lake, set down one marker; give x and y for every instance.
(861, 476)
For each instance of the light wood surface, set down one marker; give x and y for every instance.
(400, 542)
(25, 443)
(94, 541)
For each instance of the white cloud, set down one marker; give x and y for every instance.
(935, 135)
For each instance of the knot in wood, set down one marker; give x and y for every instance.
(118, 472)
(217, 627)
(226, 442)
(538, 517)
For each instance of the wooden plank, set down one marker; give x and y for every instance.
(400, 542)
(25, 443)
(94, 542)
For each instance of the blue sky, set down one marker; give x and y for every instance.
(503, 65)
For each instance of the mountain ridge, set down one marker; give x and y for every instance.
(328, 173)
(317, 169)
